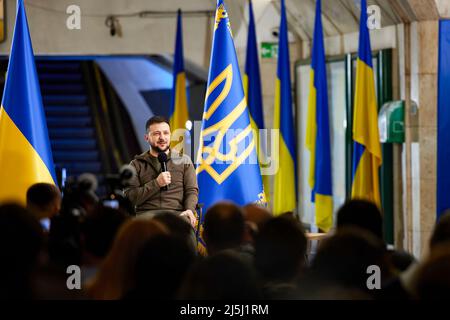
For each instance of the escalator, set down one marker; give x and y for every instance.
(90, 129)
(78, 102)
(69, 118)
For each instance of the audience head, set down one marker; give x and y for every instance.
(178, 227)
(255, 216)
(441, 232)
(221, 276)
(433, 276)
(99, 230)
(21, 242)
(224, 227)
(115, 276)
(161, 266)
(44, 200)
(362, 214)
(280, 249)
(343, 258)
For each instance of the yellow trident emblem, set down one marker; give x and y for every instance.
(221, 13)
(220, 129)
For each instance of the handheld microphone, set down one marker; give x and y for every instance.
(162, 158)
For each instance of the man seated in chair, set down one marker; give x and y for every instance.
(154, 189)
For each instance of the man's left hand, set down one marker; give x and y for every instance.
(191, 217)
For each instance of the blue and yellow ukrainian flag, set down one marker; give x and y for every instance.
(227, 163)
(366, 147)
(285, 185)
(252, 88)
(179, 107)
(318, 131)
(25, 154)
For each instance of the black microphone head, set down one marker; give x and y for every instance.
(162, 157)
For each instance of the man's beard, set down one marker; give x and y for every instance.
(157, 149)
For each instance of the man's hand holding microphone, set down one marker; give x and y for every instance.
(164, 179)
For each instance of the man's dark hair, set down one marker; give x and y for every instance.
(343, 258)
(155, 119)
(223, 276)
(280, 248)
(362, 214)
(41, 195)
(178, 227)
(224, 227)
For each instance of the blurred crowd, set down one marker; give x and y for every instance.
(249, 254)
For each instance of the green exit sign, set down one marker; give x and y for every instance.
(269, 50)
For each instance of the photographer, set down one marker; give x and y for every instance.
(79, 199)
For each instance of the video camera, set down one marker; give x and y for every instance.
(79, 195)
(115, 184)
